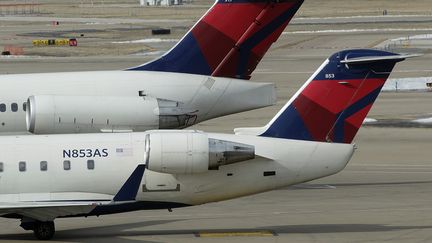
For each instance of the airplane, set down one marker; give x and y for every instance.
(202, 77)
(44, 177)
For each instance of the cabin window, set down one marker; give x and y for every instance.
(24, 106)
(66, 165)
(43, 166)
(1, 166)
(14, 107)
(22, 166)
(2, 107)
(90, 164)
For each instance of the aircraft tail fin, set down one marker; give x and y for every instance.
(229, 40)
(332, 104)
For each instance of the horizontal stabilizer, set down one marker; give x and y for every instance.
(371, 59)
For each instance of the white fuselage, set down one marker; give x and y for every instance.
(278, 163)
(206, 97)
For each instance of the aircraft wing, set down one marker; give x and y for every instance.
(48, 211)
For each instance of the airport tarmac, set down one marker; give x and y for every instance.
(384, 194)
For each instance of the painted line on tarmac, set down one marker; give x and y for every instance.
(389, 172)
(365, 17)
(391, 165)
(410, 71)
(281, 72)
(263, 233)
(354, 31)
(310, 72)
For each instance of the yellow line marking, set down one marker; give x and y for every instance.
(235, 234)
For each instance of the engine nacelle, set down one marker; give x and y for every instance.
(48, 114)
(191, 152)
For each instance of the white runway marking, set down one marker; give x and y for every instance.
(410, 71)
(281, 72)
(392, 165)
(90, 20)
(355, 31)
(390, 172)
(364, 17)
(424, 120)
(149, 40)
(414, 37)
(305, 72)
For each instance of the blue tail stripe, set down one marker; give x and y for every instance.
(186, 57)
(351, 110)
(288, 125)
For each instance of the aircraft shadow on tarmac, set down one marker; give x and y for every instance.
(116, 233)
(335, 185)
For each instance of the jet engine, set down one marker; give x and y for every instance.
(48, 114)
(191, 152)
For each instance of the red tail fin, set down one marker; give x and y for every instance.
(332, 105)
(229, 40)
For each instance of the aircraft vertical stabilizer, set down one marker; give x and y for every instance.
(229, 40)
(332, 104)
